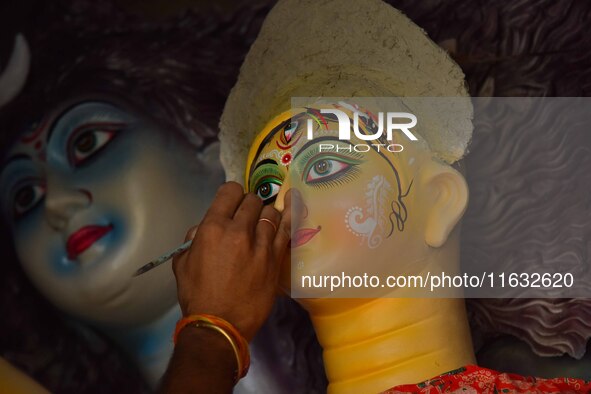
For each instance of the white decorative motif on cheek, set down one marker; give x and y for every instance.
(374, 226)
(359, 227)
(273, 154)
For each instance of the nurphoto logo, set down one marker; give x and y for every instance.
(392, 124)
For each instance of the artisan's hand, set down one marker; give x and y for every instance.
(232, 268)
(230, 271)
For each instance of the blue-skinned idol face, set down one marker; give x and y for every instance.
(92, 193)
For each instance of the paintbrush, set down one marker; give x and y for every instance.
(164, 258)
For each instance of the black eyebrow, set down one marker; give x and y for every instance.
(18, 156)
(262, 162)
(319, 139)
(65, 111)
(58, 118)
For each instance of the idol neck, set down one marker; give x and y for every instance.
(372, 345)
(149, 345)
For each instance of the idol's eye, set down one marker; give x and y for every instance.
(267, 191)
(88, 141)
(325, 169)
(26, 198)
(290, 127)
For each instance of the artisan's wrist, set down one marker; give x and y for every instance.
(201, 357)
(236, 341)
(211, 347)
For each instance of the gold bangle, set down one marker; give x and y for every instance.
(237, 341)
(239, 365)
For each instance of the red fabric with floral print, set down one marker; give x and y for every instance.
(473, 379)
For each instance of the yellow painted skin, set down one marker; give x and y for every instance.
(15, 381)
(373, 344)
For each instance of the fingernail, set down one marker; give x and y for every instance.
(193, 232)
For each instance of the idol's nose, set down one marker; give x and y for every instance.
(280, 200)
(299, 210)
(62, 201)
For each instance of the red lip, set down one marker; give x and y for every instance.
(82, 239)
(303, 235)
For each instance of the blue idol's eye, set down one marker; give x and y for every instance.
(267, 191)
(89, 141)
(26, 198)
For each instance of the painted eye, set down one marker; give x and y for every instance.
(325, 168)
(26, 198)
(88, 142)
(288, 133)
(291, 127)
(267, 191)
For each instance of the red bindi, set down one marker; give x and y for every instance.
(286, 159)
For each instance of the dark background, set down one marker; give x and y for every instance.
(506, 48)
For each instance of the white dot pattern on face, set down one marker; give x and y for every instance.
(368, 224)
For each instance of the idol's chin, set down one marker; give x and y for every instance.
(108, 284)
(114, 298)
(122, 309)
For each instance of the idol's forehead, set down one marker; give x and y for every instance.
(286, 133)
(299, 127)
(276, 132)
(312, 120)
(261, 141)
(31, 141)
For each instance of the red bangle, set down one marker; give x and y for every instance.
(237, 341)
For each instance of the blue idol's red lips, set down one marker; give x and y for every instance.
(303, 235)
(83, 239)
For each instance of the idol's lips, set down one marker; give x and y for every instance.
(82, 239)
(303, 235)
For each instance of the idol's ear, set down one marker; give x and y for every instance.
(447, 197)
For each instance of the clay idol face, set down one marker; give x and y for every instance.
(357, 196)
(93, 192)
